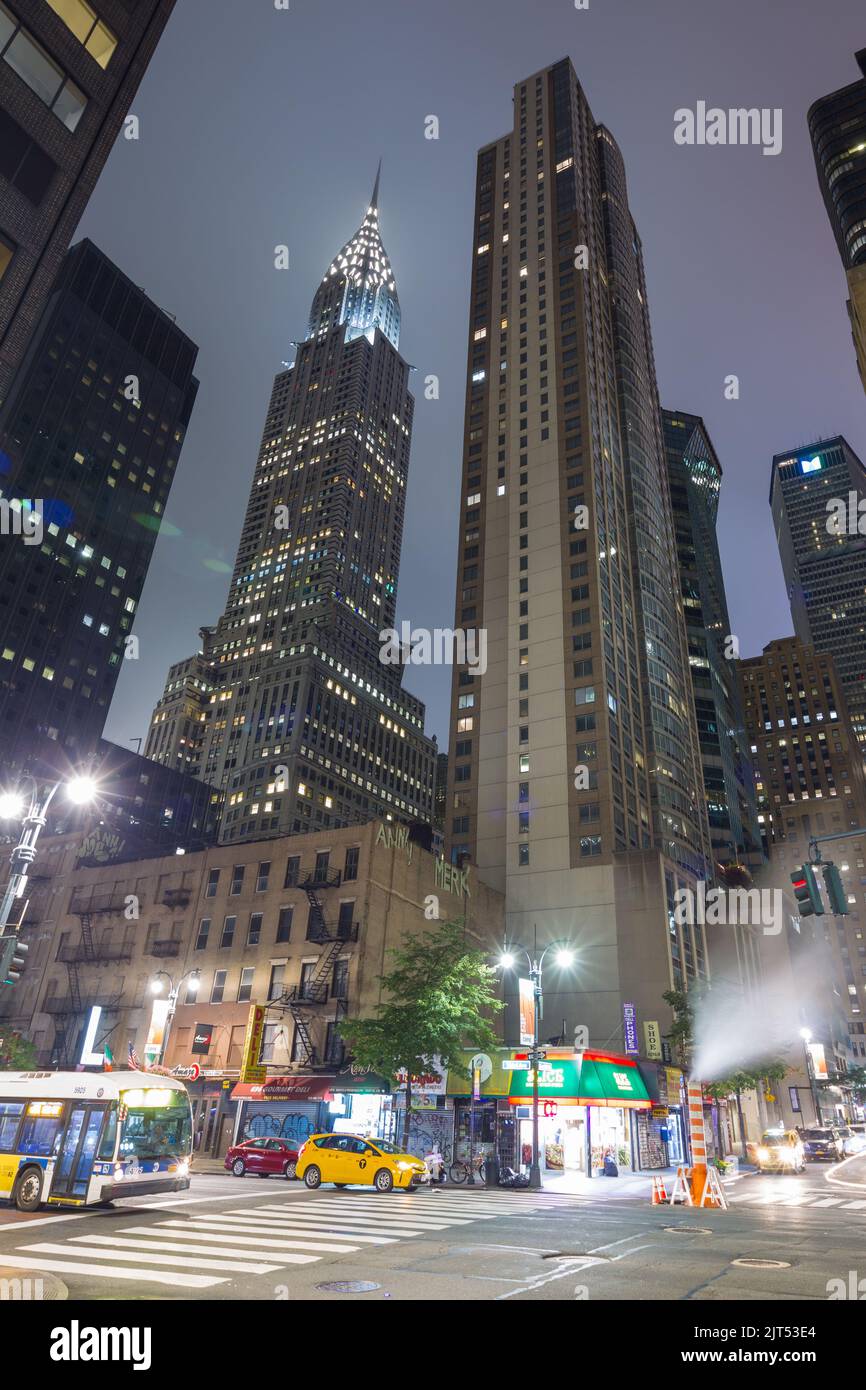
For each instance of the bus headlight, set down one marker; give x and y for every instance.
(183, 1168)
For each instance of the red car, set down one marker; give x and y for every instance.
(266, 1157)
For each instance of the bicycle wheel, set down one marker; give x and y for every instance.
(458, 1172)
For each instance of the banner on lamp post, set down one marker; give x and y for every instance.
(526, 1000)
(156, 1032)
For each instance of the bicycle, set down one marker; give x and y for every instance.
(460, 1169)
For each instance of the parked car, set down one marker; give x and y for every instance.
(822, 1144)
(264, 1157)
(853, 1139)
(349, 1158)
(780, 1151)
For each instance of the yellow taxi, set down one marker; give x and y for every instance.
(349, 1158)
(780, 1151)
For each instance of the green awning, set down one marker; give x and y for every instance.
(594, 1081)
(620, 1083)
(354, 1082)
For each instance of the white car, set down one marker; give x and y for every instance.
(853, 1138)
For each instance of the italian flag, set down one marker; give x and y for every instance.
(107, 1059)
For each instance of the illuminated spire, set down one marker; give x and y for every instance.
(358, 289)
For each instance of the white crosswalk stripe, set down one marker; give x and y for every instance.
(262, 1238)
(777, 1198)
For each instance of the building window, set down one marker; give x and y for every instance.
(263, 876)
(276, 985)
(322, 863)
(293, 868)
(7, 251)
(23, 163)
(284, 923)
(45, 79)
(340, 982)
(218, 987)
(88, 28)
(299, 1050)
(335, 1051)
(522, 854)
(212, 883)
(254, 930)
(350, 870)
(590, 845)
(345, 920)
(237, 880)
(228, 933)
(245, 988)
(201, 938)
(524, 762)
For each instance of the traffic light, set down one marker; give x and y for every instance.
(807, 892)
(12, 958)
(836, 894)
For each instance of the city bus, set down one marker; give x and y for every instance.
(82, 1138)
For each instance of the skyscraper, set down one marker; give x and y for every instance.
(574, 778)
(824, 557)
(837, 126)
(695, 476)
(810, 781)
(69, 71)
(305, 725)
(90, 436)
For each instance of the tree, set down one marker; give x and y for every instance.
(438, 1000)
(16, 1052)
(754, 1078)
(681, 1031)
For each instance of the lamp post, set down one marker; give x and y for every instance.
(564, 957)
(80, 790)
(806, 1035)
(156, 987)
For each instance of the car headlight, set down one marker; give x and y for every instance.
(763, 1154)
(405, 1166)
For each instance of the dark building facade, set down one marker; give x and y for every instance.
(695, 477)
(90, 434)
(837, 127)
(69, 71)
(824, 557)
(809, 780)
(305, 727)
(574, 773)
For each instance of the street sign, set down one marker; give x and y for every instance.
(518, 1064)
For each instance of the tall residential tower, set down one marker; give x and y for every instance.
(574, 778)
(304, 726)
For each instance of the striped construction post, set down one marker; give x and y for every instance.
(698, 1139)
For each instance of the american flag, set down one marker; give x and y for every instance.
(133, 1059)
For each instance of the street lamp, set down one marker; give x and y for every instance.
(156, 987)
(806, 1035)
(564, 957)
(80, 790)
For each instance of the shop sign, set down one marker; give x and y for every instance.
(660, 1112)
(674, 1081)
(156, 1031)
(201, 1039)
(652, 1041)
(252, 1069)
(629, 1028)
(429, 1083)
(550, 1110)
(452, 879)
(526, 1000)
(794, 1096)
(191, 1073)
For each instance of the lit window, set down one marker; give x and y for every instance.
(524, 762)
(7, 251)
(87, 27)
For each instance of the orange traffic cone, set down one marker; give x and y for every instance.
(659, 1194)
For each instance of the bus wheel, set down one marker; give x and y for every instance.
(27, 1192)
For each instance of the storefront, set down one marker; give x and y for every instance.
(660, 1132)
(214, 1112)
(361, 1103)
(283, 1107)
(588, 1105)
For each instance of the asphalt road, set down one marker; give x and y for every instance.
(230, 1238)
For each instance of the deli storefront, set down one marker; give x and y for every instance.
(588, 1104)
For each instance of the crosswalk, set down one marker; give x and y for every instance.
(202, 1250)
(776, 1196)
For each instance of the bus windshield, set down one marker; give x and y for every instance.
(156, 1131)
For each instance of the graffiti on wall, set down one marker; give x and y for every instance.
(275, 1125)
(430, 1129)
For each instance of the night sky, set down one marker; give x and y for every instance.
(262, 127)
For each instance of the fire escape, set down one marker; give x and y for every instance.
(302, 1001)
(80, 999)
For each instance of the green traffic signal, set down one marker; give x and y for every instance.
(836, 894)
(807, 891)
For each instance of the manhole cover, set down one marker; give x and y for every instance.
(348, 1286)
(761, 1264)
(29, 1286)
(688, 1230)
